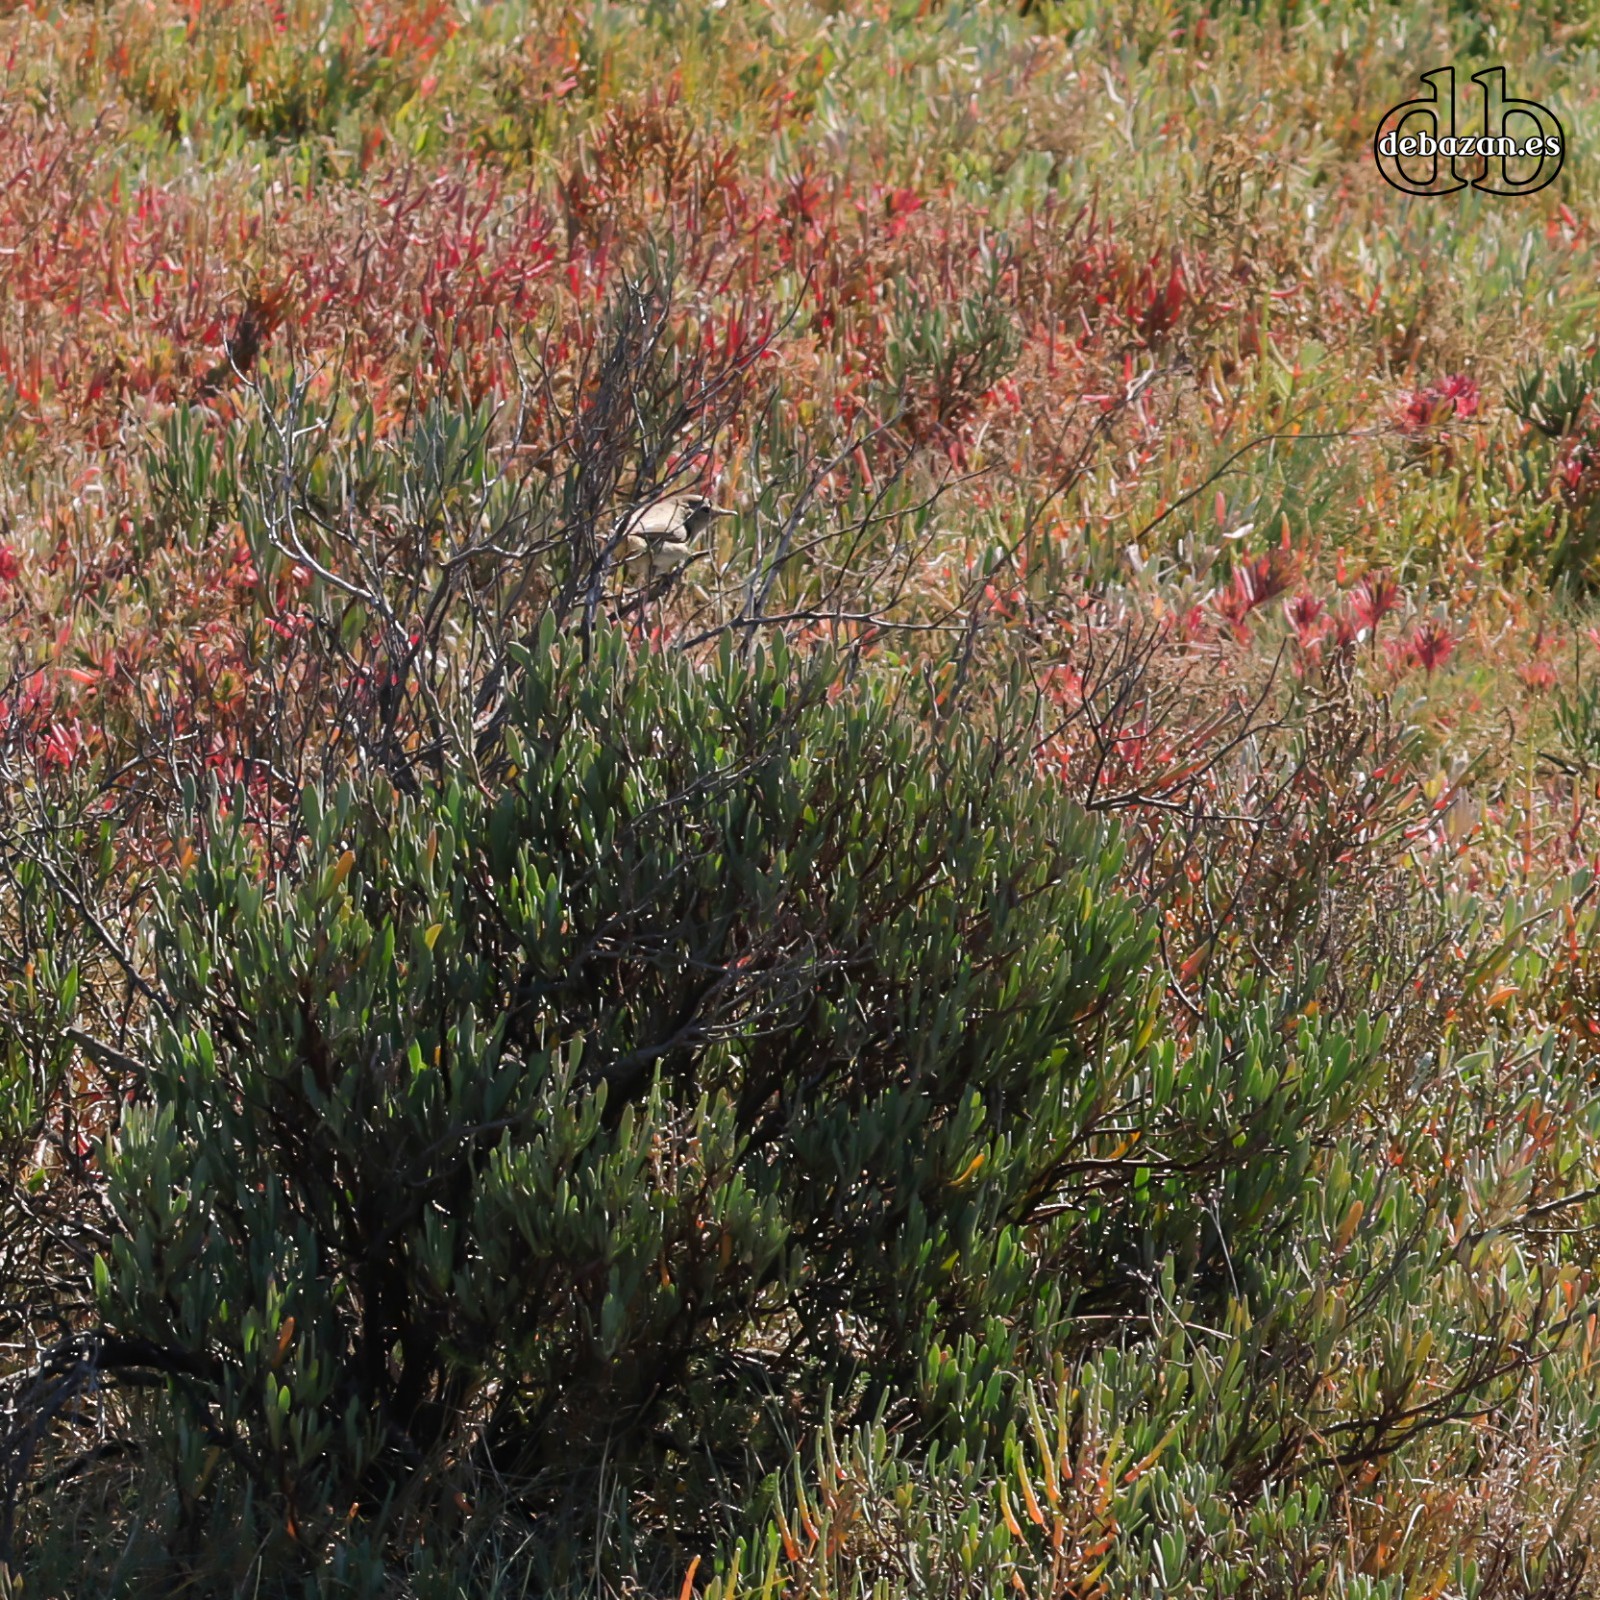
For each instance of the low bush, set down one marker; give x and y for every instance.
(608, 1122)
(529, 1176)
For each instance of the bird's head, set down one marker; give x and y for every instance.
(698, 514)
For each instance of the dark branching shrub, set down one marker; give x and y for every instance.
(615, 1118)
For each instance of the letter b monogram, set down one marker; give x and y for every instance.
(1547, 130)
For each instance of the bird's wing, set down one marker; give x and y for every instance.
(658, 520)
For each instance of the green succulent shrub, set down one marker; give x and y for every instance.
(1557, 458)
(710, 1060)
(747, 1061)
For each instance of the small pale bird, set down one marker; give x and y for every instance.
(658, 539)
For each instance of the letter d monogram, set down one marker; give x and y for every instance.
(1442, 97)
